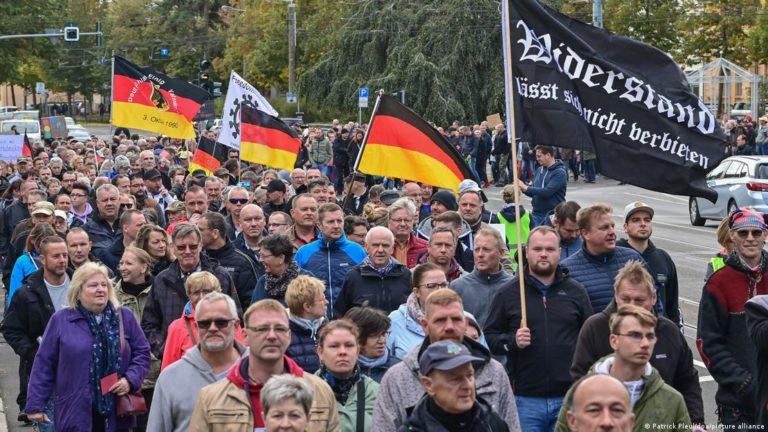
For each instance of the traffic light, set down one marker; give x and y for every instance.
(71, 34)
(216, 89)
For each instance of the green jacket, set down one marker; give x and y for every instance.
(348, 411)
(322, 151)
(658, 407)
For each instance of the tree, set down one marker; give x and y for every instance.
(446, 55)
(716, 28)
(649, 21)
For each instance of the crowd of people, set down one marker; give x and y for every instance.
(142, 295)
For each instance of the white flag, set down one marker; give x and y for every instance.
(239, 92)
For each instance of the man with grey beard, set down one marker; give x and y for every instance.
(216, 351)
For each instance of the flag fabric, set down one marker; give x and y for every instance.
(26, 147)
(401, 144)
(582, 87)
(146, 99)
(266, 140)
(209, 156)
(240, 92)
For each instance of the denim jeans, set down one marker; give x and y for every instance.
(762, 149)
(538, 414)
(473, 168)
(526, 165)
(322, 167)
(589, 170)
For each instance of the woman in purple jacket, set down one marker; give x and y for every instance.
(81, 345)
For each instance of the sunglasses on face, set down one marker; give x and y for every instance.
(220, 323)
(756, 233)
(238, 200)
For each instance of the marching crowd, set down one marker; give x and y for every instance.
(144, 295)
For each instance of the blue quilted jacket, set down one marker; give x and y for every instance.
(330, 262)
(597, 272)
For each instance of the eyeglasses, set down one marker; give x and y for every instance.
(262, 331)
(128, 205)
(238, 200)
(638, 337)
(400, 221)
(745, 233)
(187, 247)
(436, 285)
(220, 323)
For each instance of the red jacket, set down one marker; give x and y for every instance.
(179, 339)
(416, 246)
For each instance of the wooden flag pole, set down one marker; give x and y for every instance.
(512, 138)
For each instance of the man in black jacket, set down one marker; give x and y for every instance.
(32, 306)
(671, 355)
(451, 403)
(102, 226)
(167, 298)
(501, 149)
(638, 225)
(539, 355)
(13, 214)
(216, 245)
(379, 281)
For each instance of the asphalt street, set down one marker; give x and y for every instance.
(690, 247)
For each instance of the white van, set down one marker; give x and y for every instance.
(31, 127)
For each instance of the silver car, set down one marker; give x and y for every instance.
(740, 181)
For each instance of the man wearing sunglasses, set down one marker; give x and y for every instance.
(722, 334)
(216, 351)
(237, 198)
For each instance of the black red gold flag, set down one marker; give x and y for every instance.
(146, 99)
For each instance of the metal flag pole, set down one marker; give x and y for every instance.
(112, 98)
(348, 195)
(512, 138)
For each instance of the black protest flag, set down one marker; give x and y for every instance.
(581, 87)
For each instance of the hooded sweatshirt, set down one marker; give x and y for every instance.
(548, 188)
(238, 376)
(655, 402)
(176, 392)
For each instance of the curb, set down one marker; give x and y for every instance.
(3, 419)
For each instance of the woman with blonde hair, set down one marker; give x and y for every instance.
(182, 333)
(724, 239)
(154, 240)
(90, 344)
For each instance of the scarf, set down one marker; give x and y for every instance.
(384, 271)
(275, 286)
(105, 354)
(370, 363)
(135, 289)
(340, 386)
(414, 310)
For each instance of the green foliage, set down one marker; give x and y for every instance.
(444, 54)
(716, 28)
(649, 21)
(758, 37)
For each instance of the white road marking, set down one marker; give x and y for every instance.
(652, 197)
(699, 364)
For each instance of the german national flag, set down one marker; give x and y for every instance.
(401, 144)
(146, 99)
(209, 156)
(26, 148)
(266, 140)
